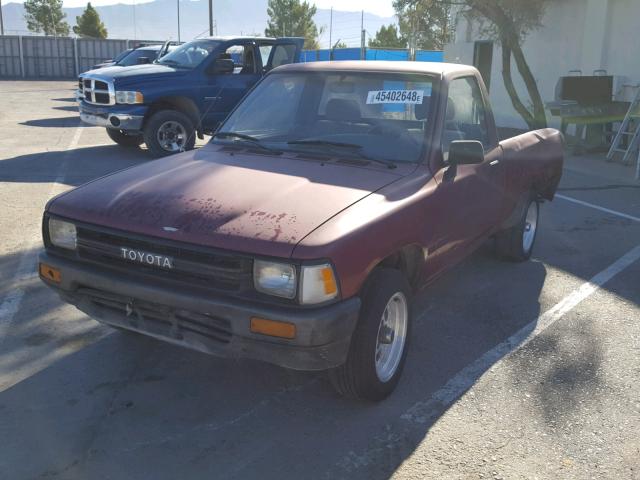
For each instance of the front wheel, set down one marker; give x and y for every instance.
(124, 139)
(379, 343)
(516, 243)
(168, 132)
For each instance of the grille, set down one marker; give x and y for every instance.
(223, 272)
(165, 320)
(97, 92)
(102, 98)
(80, 84)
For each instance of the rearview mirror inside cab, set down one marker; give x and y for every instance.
(465, 152)
(143, 60)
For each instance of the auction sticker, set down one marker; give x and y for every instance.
(395, 96)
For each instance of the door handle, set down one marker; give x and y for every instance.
(494, 163)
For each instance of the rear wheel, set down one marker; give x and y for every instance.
(379, 343)
(124, 139)
(516, 243)
(168, 132)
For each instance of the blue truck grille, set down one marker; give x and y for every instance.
(96, 92)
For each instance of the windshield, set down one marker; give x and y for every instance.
(376, 115)
(121, 55)
(189, 55)
(135, 55)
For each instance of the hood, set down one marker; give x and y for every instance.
(147, 71)
(103, 65)
(225, 198)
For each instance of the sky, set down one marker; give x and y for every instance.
(383, 8)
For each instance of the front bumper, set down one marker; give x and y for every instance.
(205, 322)
(122, 117)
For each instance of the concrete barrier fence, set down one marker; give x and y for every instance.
(34, 57)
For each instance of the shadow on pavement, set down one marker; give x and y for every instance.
(80, 165)
(67, 108)
(61, 122)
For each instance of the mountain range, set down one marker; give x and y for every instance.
(157, 20)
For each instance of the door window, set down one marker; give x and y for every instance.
(282, 54)
(466, 115)
(243, 56)
(265, 51)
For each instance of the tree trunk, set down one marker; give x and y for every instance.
(510, 40)
(539, 114)
(511, 89)
(537, 118)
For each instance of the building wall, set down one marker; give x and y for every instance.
(583, 35)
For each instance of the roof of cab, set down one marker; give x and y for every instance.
(226, 38)
(430, 68)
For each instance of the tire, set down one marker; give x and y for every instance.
(168, 132)
(516, 243)
(363, 376)
(125, 140)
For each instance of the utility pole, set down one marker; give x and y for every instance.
(1, 22)
(135, 32)
(330, 26)
(211, 18)
(362, 54)
(178, 2)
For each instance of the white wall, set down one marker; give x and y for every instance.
(576, 35)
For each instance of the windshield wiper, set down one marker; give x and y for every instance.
(247, 138)
(353, 147)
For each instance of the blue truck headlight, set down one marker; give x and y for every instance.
(274, 278)
(129, 97)
(62, 234)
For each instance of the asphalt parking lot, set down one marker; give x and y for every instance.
(515, 370)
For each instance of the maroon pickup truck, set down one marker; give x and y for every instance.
(298, 235)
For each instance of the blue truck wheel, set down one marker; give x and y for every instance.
(168, 132)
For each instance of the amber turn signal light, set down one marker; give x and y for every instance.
(273, 328)
(49, 273)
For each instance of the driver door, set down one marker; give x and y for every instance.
(223, 91)
(468, 198)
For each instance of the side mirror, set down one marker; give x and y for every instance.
(143, 60)
(222, 66)
(466, 152)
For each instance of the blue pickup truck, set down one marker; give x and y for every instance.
(185, 93)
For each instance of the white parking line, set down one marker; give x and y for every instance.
(598, 207)
(26, 267)
(421, 412)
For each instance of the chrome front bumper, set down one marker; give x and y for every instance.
(109, 117)
(113, 120)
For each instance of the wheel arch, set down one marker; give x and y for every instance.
(181, 104)
(409, 260)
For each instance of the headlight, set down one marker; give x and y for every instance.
(317, 284)
(273, 278)
(129, 97)
(62, 234)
